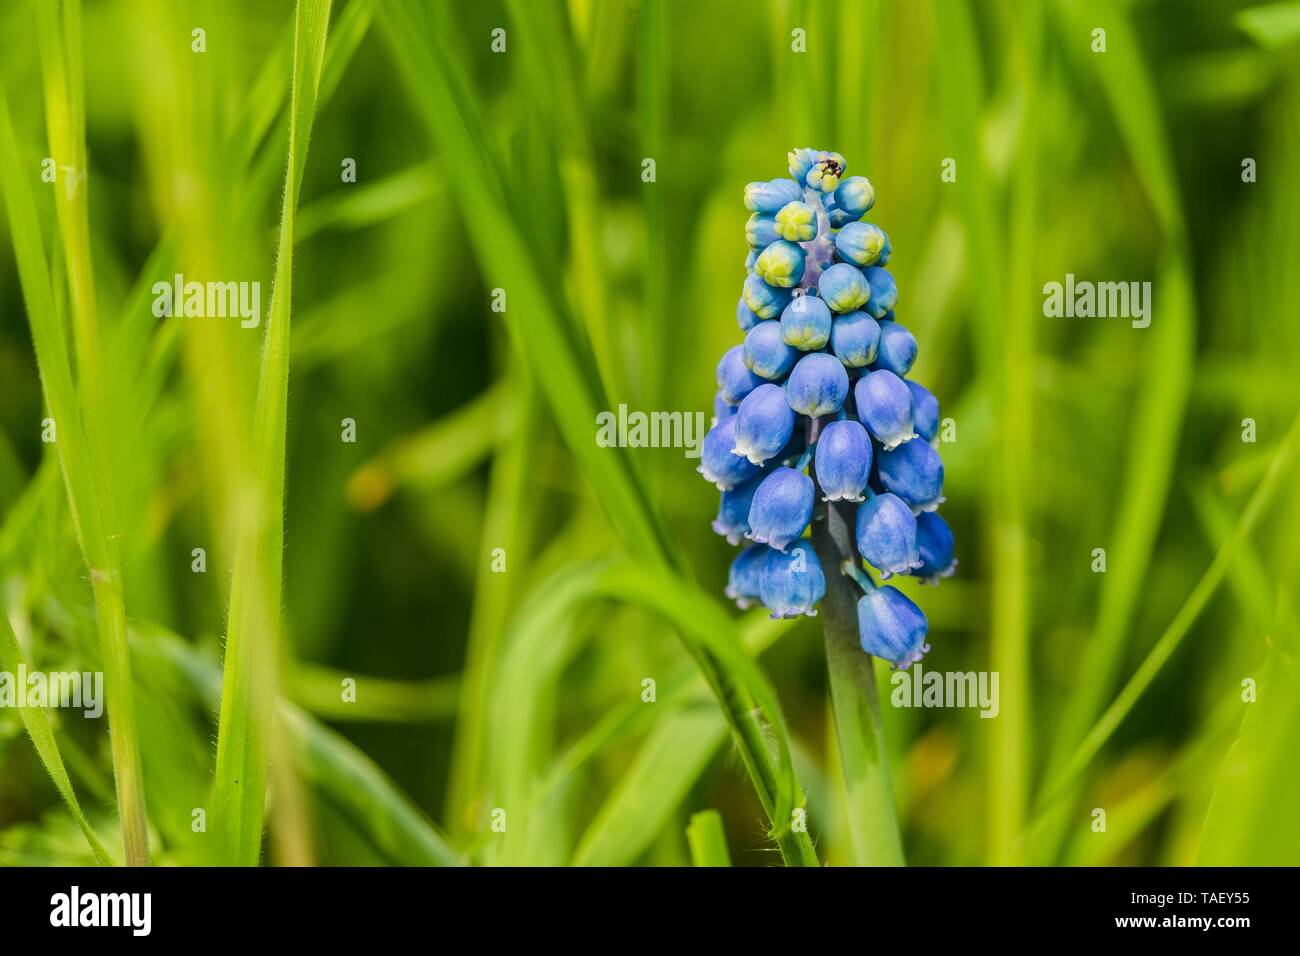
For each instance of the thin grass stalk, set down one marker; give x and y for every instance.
(1161, 405)
(1173, 635)
(253, 622)
(61, 61)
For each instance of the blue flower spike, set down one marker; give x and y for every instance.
(806, 323)
(814, 418)
(764, 423)
(791, 584)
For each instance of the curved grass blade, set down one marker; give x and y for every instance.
(339, 772)
(252, 635)
(47, 748)
(1162, 398)
(649, 791)
(81, 476)
(1183, 620)
(535, 649)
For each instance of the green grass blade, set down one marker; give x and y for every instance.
(1162, 398)
(47, 748)
(537, 654)
(708, 840)
(1002, 351)
(339, 772)
(1271, 25)
(84, 492)
(319, 691)
(1183, 620)
(544, 334)
(248, 681)
(650, 790)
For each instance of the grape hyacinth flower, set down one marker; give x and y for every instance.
(764, 423)
(782, 508)
(896, 350)
(844, 287)
(854, 339)
(925, 411)
(796, 222)
(892, 626)
(825, 453)
(885, 407)
(806, 323)
(914, 472)
(780, 264)
(860, 243)
(742, 580)
(792, 584)
(934, 543)
(843, 462)
(883, 295)
(773, 195)
(818, 385)
(718, 463)
(765, 301)
(732, 521)
(886, 535)
(735, 380)
(766, 354)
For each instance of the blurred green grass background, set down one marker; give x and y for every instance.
(521, 690)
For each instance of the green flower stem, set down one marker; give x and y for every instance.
(850, 568)
(873, 822)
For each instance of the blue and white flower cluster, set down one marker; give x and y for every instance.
(815, 403)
